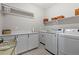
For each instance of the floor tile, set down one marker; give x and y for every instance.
(39, 51)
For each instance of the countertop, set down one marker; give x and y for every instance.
(63, 34)
(69, 34)
(53, 32)
(19, 33)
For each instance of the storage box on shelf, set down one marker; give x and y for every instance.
(45, 20)
(77, 12)
(57, 18)
(6, 31)
(54, 20)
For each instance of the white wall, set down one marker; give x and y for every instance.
(66, 9)
(24, 24)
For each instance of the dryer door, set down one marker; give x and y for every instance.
(68, 45)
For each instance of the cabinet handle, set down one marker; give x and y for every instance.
(42, 35)
(55, 35)
(28, 35)
(16, 36)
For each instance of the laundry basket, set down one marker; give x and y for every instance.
(8, 48)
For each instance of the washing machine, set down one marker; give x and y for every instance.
(68, 42)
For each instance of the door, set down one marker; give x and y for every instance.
(51, 43)
(22, 44)
(33, 41)
(1, 21)
(0, 6)
(68, 45)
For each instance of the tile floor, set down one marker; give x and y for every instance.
(38, 51)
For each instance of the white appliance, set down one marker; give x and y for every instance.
(51, 41)
(69, 42)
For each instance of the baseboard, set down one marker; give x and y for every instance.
(42, 43)
(49, 52)
(26, 51)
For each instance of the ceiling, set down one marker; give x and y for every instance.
(44, 5)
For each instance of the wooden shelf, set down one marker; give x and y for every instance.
(68, 20)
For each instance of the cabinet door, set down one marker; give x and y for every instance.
(42, 38)
(33, 41)
(51, 43)
(48, 42)
(22, 44)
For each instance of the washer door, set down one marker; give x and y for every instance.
(68, 45)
